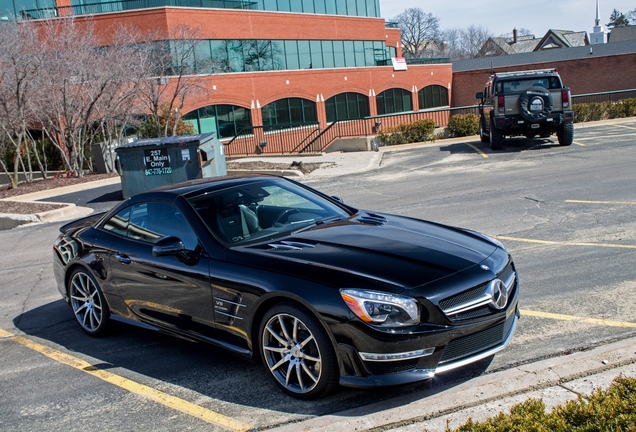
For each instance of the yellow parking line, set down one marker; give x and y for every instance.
(561, 317)
(579, 144)
(131, 386)
(556, 243)
(626, 127)
(602, 202)
(477, 150)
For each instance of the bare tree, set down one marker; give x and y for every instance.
(459, 44)
(20, 63)
(171, 69)
(631, 15)
(419, 32)
(84, 83)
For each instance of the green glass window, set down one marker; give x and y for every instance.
(393, 101)
(347, 106)
(225, 120)
(433, 96)
(316, 54)
(327, 54)
(291, 54)
(287, 113)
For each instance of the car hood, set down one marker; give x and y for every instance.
(382, 249)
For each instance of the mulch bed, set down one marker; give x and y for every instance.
(17, 207)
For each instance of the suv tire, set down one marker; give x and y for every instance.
(526, 99)
(565, 134)
(485, 138)
(496, 138)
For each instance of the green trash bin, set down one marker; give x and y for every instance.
(150, 163)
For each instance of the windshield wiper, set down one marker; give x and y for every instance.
(325, 221)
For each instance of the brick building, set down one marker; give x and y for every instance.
(277, 63)
(588, 69)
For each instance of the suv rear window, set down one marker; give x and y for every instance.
(519, 85)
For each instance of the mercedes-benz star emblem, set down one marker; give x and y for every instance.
(497, 291)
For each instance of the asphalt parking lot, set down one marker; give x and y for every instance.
(567, 215)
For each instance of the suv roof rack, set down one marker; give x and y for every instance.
(521, 73)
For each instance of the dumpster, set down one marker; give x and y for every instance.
(149, 163)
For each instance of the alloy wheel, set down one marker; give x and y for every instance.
(86, 302)
(292, 353)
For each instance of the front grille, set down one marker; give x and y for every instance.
(462, 297)
(472, 295)
(477, 342)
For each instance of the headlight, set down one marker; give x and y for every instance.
(382, 309)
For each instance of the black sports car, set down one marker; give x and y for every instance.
(320, 292)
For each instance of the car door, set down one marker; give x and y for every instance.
(171, 291)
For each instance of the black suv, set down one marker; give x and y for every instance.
(527, 103)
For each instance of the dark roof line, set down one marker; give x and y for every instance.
(555, 55)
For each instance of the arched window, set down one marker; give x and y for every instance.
(393, 101)
(288, 113)
(225, 120)
(347, 106)
(433, 96)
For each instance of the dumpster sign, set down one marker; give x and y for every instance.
(157, 162)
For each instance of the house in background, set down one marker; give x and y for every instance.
(553, 39)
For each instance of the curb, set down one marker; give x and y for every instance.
(67, 212)
(63, 190)
(412, 409)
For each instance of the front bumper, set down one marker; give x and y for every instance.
(517, 125)
(468, 346)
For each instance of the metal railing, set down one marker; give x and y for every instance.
(311, 139)
(612, 96)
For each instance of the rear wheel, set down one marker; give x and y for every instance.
(496, 138)
(297, 352)
(89, 307)
(565, 134)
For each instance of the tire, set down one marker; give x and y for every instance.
(543, 99)
(565, 134)
(297, 352)
(496, 138)
(482, 133)
(88, 303)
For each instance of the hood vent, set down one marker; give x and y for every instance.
(289, 246)
(373, 219)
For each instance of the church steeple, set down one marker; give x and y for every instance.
(598, 36)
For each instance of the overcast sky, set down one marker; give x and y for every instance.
(501, 16)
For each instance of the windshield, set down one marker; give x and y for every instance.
(519, 85)
(262, 210)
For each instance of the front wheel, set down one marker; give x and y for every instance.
(88, 303)
(565, 134)
(297, 352)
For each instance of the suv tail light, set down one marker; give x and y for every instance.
(501, 105)
(565, 98)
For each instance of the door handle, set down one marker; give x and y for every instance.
(123, 258)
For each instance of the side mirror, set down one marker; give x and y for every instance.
(168, 246)
(479, 95)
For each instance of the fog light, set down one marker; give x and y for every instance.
(386, 357)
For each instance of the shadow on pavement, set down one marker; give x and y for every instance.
(212, 371)
(108, 197)
(513, 145)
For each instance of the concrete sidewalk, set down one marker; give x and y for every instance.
(555, 380)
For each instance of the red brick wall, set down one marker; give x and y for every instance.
(589, 75)
(246, 89)
(247, 24)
